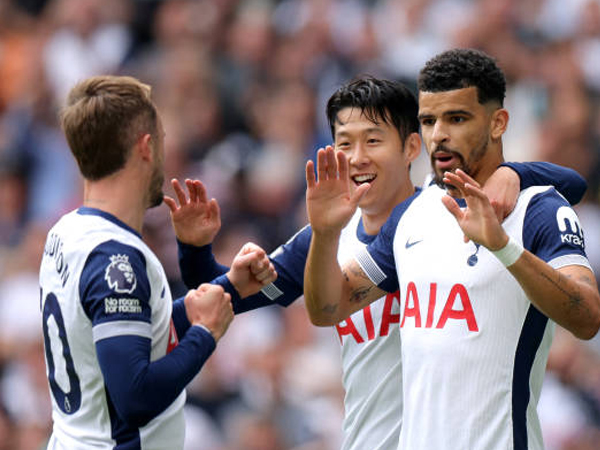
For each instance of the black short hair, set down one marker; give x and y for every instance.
(461, 68)
(378, 99)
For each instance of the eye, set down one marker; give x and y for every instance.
(457, 119)
(373, 141)
(343, 145)
(426, 121)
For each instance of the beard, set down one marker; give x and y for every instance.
(155, 192)
(468, 166)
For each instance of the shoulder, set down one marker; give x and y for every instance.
(402, 208)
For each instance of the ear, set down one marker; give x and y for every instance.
(144, 147)
(412, 146)
(498, 123)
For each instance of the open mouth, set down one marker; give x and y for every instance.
(444, 160)
(363, 178)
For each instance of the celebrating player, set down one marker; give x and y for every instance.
(374, 122)
(477, 295)
(119, 352)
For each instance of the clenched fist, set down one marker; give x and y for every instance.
(210, 306)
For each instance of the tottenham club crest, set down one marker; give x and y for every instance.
(120, 275)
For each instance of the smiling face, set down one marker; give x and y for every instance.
(376, 155)
(460, 132)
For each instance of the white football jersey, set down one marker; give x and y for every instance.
(83, 415)
(371, 362)
(370, 339)
(474, 348)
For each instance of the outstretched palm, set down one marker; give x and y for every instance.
(329, 202)
(196, 220)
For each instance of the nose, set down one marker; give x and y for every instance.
(439, 133)
(358, 156)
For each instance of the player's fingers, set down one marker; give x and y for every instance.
(266, 276)
(271, 277)
(499, 210)
(260, 263)
(170, 203)
(200, 191)
(473, 191)
(454, 181)
(466, 178)
(191, 190)
(332, 167)
(214, 210)
(452, 207)
(321, 165)
(310, 174)
(250, 247)
(179, 192)
(342, 163)
(241, 261)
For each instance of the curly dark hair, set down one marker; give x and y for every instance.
(461, 68)
(378, 99)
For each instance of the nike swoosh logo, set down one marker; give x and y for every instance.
(410, 244)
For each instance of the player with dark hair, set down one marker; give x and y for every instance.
(479, 298)
(374, 122)
(119, 352)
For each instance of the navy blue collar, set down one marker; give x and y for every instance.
(362, 235)
(87, 211)
(366, 238)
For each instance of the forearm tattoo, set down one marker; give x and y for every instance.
(360, 293)
(329, 309)
(574, 299)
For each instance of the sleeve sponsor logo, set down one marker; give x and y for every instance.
(120, 275)
(122, 305)
(569, 226)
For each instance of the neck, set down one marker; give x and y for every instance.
(373, 221)
(495, 159)
(118, 195)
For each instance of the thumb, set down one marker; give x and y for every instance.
(170, 203)
(244, 260)
(359, 193)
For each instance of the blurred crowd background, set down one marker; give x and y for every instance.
(242, 87)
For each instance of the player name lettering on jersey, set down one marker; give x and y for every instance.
(348, 328)
(53, 249)
(412, 307)
(122, 305)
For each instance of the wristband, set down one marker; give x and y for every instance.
(509, 254)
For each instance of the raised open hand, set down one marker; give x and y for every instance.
(329, 201)
(478, 220)
(196, 220)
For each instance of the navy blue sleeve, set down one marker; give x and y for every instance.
(140, 389)
(552, 231)
(198, 264)
(115, 294)
(289, 261)
(377, 260)
(180, 319)
(566, 181)
(115, 276)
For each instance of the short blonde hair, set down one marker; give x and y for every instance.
(102, 120)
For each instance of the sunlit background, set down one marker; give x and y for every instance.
(242, 86)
